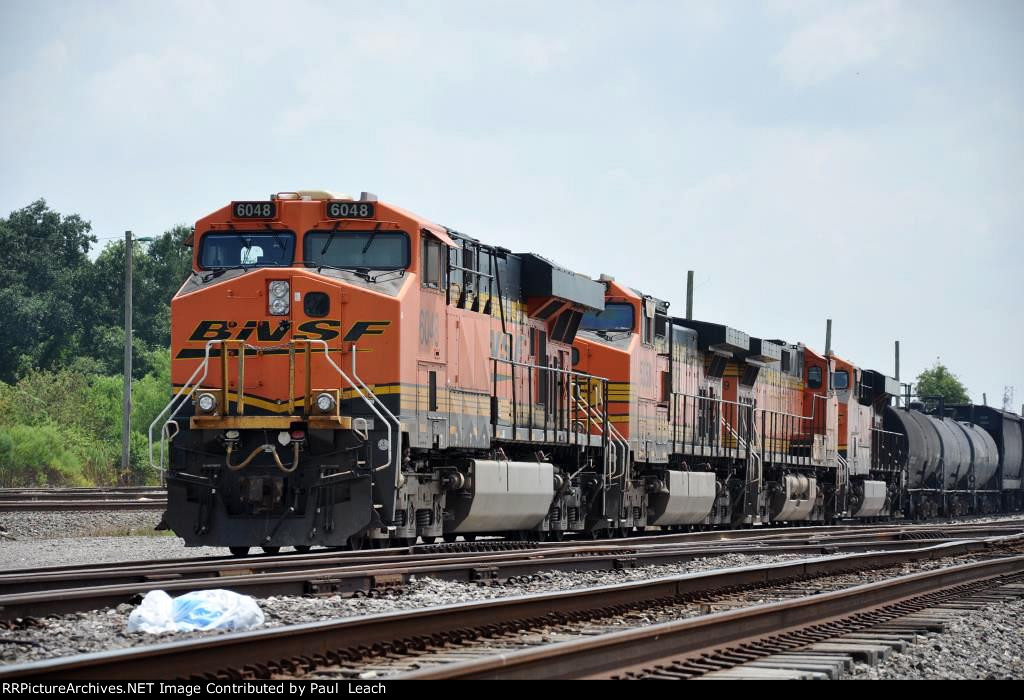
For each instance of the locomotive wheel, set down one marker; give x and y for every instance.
(271, 550)
(556, 535)
(469, 538)
(239, 551)
(302, 548)
(428, 539)
(450, 537)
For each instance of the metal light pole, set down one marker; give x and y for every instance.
(689, 295)
(126, 421)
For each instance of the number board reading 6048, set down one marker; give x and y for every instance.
(350, 210)
(254, 210)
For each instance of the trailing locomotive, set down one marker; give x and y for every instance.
(347, 374)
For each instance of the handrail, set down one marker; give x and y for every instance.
(612, 449)
(181, 397)
(376, 399)
(187, 390)
(619, 443)
(558, 370)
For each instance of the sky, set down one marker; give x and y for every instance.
(860, 160)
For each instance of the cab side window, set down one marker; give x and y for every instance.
(433, 264)
(841, 380)
(814, 377)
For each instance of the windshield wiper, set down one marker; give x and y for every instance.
(363, 272)
(369, 241)
(330, 239)
(221, 270)
(399, 272)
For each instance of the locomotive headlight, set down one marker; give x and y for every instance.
(207, 403)
(325, 403)
(279, 303)
(278, 307)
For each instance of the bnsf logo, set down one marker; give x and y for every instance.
(316, 330)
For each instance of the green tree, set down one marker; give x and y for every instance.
(61, 353)
(159, 268)
(939, 381)
(43, 273)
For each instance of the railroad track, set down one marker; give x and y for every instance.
(347, 648)
(803, 637)
(105, 498)
(33, 593)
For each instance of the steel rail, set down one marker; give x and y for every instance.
(82, 504)
(820, 535)
(62, 592)
(647, 648)
(258, 653)
(382, 578)
(500, 556)
(76, 491)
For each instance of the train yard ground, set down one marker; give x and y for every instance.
(71, 583)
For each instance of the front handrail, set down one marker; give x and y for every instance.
(185, 393)
(180, 398)
(384, 408)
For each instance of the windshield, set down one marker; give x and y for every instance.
(244, 249)
(615, 317)
(368, 250)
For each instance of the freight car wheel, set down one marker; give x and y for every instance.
(302, 548)
(271, 550)
(450, 537)
(428, 539)
(239, 551)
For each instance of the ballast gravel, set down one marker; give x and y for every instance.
(55, 524)
(982, 644)
(100, 630)
(105, 629)
(64, 551)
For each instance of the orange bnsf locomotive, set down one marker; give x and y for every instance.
(348, 374)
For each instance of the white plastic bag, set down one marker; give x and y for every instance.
(198, 610)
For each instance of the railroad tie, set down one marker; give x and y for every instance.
(830, 658)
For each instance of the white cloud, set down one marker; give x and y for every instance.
(850, 37)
